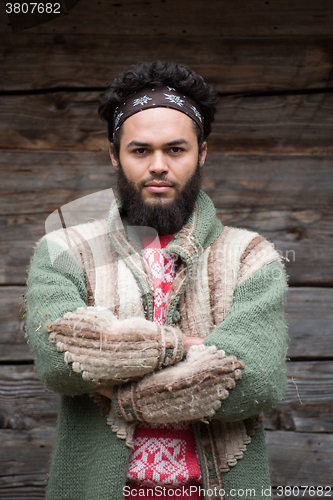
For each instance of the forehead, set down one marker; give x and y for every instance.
(159, 124)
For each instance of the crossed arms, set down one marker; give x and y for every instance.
(145, 362)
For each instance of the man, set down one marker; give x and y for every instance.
(179, 340)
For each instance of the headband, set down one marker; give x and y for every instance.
(156, 97)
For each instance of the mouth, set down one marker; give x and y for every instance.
(158, 186)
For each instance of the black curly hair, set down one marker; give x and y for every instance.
(141, 75)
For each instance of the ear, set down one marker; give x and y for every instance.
(203, 154)
(113, 156)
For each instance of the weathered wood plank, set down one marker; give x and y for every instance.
(314, 320)
(301, 183)
(281, 124)
(277, 181)
(307, 406)
(24, 458)
(37, 121)
(298, 458)
(3, 18)
(310, 382)
(232, 18)
(309, 316)
(300, 418)
(24, 402)
(230, 64)
(278, 124)
(310, 320)
(305, 242)
(16, 247)
(43, 181)
(286, 198)
(301, 236)
(13, 345)
(308, 402)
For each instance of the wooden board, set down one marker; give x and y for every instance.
(308, 402)
(300, 458)
(193, 17)
(307, 406)
(304, 242)
(307, 245)
(41, 181)
(309, 316)
(24, 459)
(310, 320)
(230, 64)
(277, 181)
(24, 402)
(13, 345)
(293, 124)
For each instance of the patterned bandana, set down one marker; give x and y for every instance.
(156, 97)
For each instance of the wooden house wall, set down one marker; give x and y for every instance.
(269, 169)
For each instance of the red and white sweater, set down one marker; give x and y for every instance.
(163, 454)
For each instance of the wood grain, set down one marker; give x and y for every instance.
(307, 406)
(304, 242)
(277, 181)
(287, 198)
(300, 458)
(13, 345)
(193, 17)
(40, 181)
(43, 181)
(301, 237)
(310, 321)
(281, 124)
(231, 65)
(24, 459)
(308, 402)
(24, 402)
(309, 316)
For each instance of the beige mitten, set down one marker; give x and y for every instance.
(191, 390)
(107, 350)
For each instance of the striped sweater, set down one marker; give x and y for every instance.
(89, 322)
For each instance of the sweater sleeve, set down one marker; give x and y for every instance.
(245, 374)
(72, 360)
(255, 331)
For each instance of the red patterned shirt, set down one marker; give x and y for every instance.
(163, 454)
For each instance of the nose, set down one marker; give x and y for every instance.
(158, 163)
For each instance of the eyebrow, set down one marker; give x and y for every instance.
(139, 144)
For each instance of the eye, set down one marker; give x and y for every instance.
(176, 149)
(140, 151)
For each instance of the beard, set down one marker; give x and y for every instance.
(165, 217)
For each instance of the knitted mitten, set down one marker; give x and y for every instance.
(193, 389)
(107, 350)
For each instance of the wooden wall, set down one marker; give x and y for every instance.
(269, 169)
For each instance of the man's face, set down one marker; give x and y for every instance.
(158, 153)
(159, 169)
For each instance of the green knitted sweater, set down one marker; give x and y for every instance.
(89, 461)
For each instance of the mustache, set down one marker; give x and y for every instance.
(156, 177)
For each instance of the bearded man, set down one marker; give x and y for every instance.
(166, 350)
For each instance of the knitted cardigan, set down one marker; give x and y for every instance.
(229, 290)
